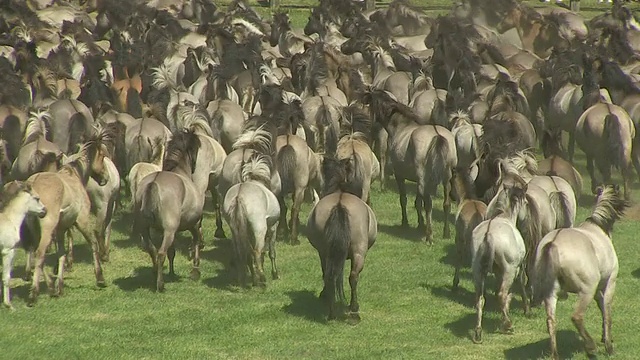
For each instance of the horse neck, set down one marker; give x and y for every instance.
(79, 168)
(16, 210)
(183, 169)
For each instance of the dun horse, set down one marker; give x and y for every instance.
(341, 226)
(581, 260)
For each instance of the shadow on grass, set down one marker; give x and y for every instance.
(568, 344)
(636, 273)
(403, 232)
(221, 253)
(307, 305)
(463, 327)
(451, 255)
(143, 278)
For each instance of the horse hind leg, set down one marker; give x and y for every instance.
(550, 306)
(592, 173)
(197, 239)
(584, 298)
(504, 294)
(171, 255)
(298, 196)
(62, 260)
(402, 192)
(85, 223)
(215, 197)
(446, 206)
(479, 280)
(357, 264)
(7, 266)
(167, 243)
(46, 230)
(272, 251)
(604, 299)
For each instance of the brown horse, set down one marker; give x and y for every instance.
(341, 226)
(64, 195)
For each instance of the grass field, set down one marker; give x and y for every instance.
(407, 307)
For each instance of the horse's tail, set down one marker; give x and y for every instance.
(134, 103)
(150, 202)
(544, 275)
(337, 233)
(439, 114)
(240, 228)
(216, 122)
(77, 131)
(560, 204)
(482, 262)
(533, 232)
(286, 163)
(613, 137)
(358, 175)
(437, 155)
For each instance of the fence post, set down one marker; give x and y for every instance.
(574, 5)
(274, 3)
(370, 5)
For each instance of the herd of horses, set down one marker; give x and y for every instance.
(170, 101)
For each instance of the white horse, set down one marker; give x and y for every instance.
(252, 212)
(17, 200)
(497, 244)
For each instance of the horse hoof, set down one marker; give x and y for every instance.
(608, 346)
(9, 306)
(104, 258)
(195, 274)
(507, 327)
(275, 275)
(219, 234)
(101, 284)
(477, 336)
(160, 288)
(353, 318)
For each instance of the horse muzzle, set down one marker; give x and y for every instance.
(42, 213)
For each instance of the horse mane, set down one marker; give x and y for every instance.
(610, 206)
(406, 9)
(513, 188)
(378, 52)
(335, 173)
(257, 168)
(258, 139)
(162, 78)
(183, 145)
(383, 105)
(13, 90)
(253, 29)
(38, 125)
(194, 118)
(613, 76)
(10, 191)
(316, 70)
(290, 116)
(243, 9)
(157, 150)
(523, 160)
(47, 82)
(500, 138)
(459, 116)
(267, 76)
(354, 120)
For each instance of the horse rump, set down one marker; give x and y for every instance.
(544, 275)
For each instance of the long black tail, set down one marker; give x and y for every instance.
(337, 233)
(286, 164)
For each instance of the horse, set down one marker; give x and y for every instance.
(497, 244)
(471, 212)
(16, 202)
(354, 147)
(169, 201)
(322, 123)
(73, 124)
(341, 226)
(37, 154)
(467, 137)
(288, 42)
(139, 138)
(425, 154)
(605, 133)
(141, 169)
(581, 260)
(292, 154)
(229, 118)
(68, 205)
(252, 212)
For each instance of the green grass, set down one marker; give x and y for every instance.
(408, 310)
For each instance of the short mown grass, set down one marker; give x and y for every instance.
(408, 309)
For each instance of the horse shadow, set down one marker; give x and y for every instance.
(221, 253)
(143, 278)
(451, 255)
(307, 305)
(410, 233)
(569, 340)
(636, 273)
(463, 327)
